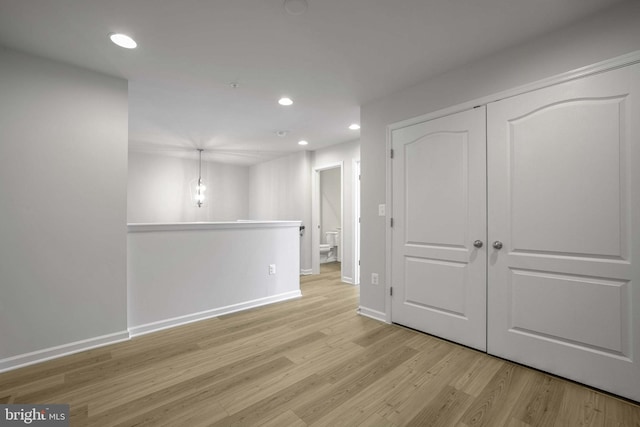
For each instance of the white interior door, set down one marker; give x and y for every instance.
(564, 201)
(439, 210)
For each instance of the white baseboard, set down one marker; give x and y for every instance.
(43, 355)
(374, 314)
(348, 280)
(194, 317)
(306, 272)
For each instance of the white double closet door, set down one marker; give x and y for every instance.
(549, 183)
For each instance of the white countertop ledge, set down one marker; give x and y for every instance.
(189, 226)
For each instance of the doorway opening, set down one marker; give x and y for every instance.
(327, 217)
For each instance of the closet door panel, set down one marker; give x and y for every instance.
(564, 201)
(439, 210)
(565, 179)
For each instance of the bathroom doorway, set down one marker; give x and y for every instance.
(330, 216)
(327, 217)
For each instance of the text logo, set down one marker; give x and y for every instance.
(34, 415)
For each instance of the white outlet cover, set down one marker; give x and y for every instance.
(374, 279)
(382, 210)
(272, 269)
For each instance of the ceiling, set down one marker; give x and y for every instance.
(329, 60)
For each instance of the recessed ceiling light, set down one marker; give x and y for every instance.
(123, 40)
(295, 7)
(285, 101)
(354, 126)
(282, 133)
(302, 142)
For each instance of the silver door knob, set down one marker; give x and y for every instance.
(497, 245)
(477, 244)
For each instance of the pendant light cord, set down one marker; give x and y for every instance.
(200, 150)
(200, 166)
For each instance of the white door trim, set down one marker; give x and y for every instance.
(387, 225)
(315, 213)
(355, 165)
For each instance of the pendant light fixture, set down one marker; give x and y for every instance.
(200, 187)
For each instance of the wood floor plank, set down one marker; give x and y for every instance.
(352, 384)
(498, 399)
(365, 357)
(152, 408)
(276, 403)
(375, 420)
(199, 414)
(322, 360)
(178, 335)
(427, 384)
(338, 308)
(581, 405)
(208, 392)
(539, 404)
(309, 361)
(368, 403)
(620, 413)
(373, 336)
(79, 416)
(107, 369)
(318, 349)
(444, 410)
(235, 403)
(288, 418)
(38, 385)
(351, 327)
(478, 375)
(65, 364)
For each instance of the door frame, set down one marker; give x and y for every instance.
(315, 213)
(355, 165)
(610, 64)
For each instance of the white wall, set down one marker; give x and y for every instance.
(63, 195)
(345, 153)
(280, 189)
(330, 202)
(159, 190)
(179, 274)
(612, 33)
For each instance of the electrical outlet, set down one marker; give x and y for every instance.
(374, 279)
(272, 269)
(382, 210)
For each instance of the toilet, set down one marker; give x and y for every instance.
(329, 249)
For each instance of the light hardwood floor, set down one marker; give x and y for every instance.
(311, 361)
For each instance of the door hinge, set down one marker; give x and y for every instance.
(391, 154)
(391, 222)
(358, 262)
(391, 291)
